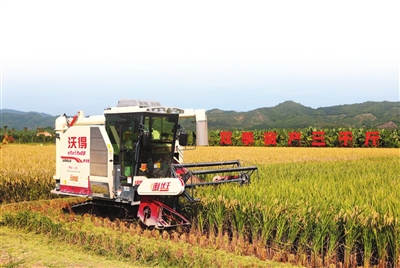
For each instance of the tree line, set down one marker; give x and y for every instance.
(387, 138)
(38, 135)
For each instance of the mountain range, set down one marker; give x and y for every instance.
(288, 114)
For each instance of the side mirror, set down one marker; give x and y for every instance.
(183, 138)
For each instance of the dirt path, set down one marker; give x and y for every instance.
(21, 249)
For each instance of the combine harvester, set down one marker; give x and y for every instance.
(129, 161)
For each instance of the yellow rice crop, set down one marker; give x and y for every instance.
(26, 172)
(269, 155)
(332, 202)
(340, 204)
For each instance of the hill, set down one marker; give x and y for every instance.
(288, 114)
(18, 120)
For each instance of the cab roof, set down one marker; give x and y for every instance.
(140, 106)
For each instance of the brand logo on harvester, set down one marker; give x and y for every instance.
(160, 186)
(76, 152)
(77, 142)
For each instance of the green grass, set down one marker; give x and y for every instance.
(28, 249)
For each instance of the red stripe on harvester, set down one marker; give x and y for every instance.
(72, 158)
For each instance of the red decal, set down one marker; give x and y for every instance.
(226, 138)
(77, 142)
(318, 138)
(344, 137)
(374, 137)
(247, 138)
(69, 158)
(155, 187)
(294, 136)
(270, 138)
(75, 190)
(165, 186)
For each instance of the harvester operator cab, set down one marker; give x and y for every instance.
(144, 143)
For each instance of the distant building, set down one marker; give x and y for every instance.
(45, 133)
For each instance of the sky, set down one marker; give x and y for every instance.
(60, 57)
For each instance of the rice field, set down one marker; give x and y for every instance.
(315, 207)
(328, 206)
(26, 172)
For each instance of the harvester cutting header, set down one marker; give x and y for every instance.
(131, 159)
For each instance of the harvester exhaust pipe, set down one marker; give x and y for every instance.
(201, 125)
